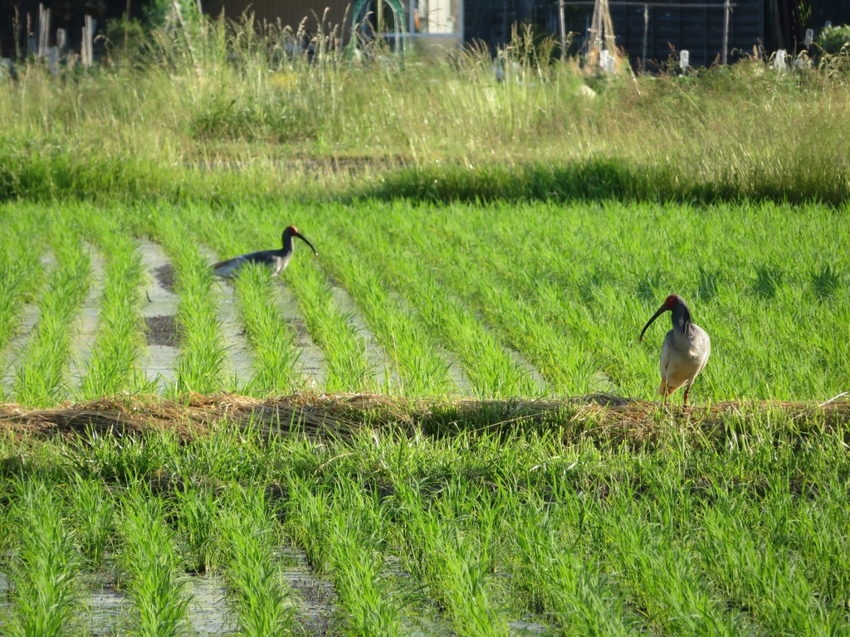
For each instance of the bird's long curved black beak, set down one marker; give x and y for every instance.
(660, 311)
(300, 236)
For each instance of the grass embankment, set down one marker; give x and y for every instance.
(726, 522)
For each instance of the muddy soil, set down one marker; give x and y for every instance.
(159, 308)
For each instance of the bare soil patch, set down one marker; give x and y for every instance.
(166, 277)
(162, 330)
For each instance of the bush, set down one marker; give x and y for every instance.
(833, 39)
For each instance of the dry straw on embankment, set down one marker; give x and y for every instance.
(601, 418)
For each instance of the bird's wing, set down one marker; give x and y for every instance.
(230, 266)
(666, 349)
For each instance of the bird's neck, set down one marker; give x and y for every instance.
(682, 320)
(288, 245)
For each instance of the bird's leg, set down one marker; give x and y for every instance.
(687, 391)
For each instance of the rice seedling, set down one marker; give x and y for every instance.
(658, 572)
(565, 300)
(348, 366)
(149, 562)
(44, 566)
(490, 368)
(258, 597)
(122, 460)
(729, 526)
(202, 348)
(19, 266)
(92, 513)
(113, 366)
(197, 509)
(454, 558)
(559, 573)
(413, 353)
(346, 357)
(273, 343)
(341, 531)
(40, 378)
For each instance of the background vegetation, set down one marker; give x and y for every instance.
(174, 117)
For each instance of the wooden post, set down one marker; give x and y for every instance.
(380, 16)
(127, 25)
(43, 31)
(726, 11)
(645, 37)
(86, 52)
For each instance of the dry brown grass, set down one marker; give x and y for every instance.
(599, 417)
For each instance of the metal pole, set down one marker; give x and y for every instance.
(645, 34)
(563, 30)
(726, 11)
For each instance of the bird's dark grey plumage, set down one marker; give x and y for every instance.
(275, 259)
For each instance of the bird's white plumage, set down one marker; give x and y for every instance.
(683, 357)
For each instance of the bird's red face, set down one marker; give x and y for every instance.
(292, 230)
(670, 302)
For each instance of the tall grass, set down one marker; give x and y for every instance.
(234, 96)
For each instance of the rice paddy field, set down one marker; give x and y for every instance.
(444, 423)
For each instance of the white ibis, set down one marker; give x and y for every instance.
(275, 259)
(685, 350)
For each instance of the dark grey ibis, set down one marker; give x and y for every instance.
(685, 350)
(275, 259)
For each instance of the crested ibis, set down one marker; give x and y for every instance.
(685, 350)
(275, 259)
